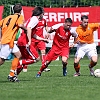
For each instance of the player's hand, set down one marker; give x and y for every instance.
(47, 36)
(46, 40)
(72, 45)
(27, 45)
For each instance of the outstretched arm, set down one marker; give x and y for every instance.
(41, 39)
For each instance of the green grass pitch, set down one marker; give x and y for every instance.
(51, 85)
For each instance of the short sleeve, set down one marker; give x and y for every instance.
(73, 32)
(33, 22)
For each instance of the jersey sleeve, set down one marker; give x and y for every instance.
(33, 22)
(73, 32)
(94, 26)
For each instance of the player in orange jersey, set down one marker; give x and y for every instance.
(86, 45)
(10, 26)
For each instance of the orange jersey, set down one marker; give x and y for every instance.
(10, 26)
(86, 35)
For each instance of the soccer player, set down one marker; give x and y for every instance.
(86, 45)
(29, 53)
(10, 26)
(60, 46)
(40, 45)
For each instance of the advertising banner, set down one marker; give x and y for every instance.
(1, 11)
(56, 16)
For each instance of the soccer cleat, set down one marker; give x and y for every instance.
(91, 71)
(46, 70)
(13, 78)
(38, 75)
(77, 74)
(25, 68)
(64, 71)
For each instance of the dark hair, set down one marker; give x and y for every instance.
(37, 11)
(84, 17)
(17, 8)
(68, 20)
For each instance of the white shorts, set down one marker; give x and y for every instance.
(86, 49)
(5, 50)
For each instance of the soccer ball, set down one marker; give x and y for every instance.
(97, 73)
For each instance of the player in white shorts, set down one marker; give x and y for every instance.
(86, 49)
(6, 50)
(86, 45)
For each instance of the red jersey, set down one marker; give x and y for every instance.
(61, 38)
(39, 29)
(32, 23)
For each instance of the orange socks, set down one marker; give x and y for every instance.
(92, 64)
(77, 67)
(14, 66)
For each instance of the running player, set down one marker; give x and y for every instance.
(10, 26)
(29, 53)
(86, 44)
(60, 46)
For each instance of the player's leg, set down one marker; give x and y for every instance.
(29, 56)
(93, 62)
(12, 75)
(79, 54)
(42, 47)
(77, 66)
(92, 55)
(48, 58)
(44, 66)
(65, 55)
(64, 63)
(4, 53)
(43, 59)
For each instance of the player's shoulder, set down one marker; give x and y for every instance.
(93, 24)
(35, 18)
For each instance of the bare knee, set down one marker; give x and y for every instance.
(76, 61)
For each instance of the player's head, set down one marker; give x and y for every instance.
(68, 23)
(84, 21)
(38, 11)
(17, 8)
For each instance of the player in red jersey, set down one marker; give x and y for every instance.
(60, 46)
(40, 45)
(29, 53)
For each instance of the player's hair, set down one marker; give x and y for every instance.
(68, 20)
(17, 8)
(84, 17)
(37, 11)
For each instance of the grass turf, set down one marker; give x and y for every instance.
(51, 85)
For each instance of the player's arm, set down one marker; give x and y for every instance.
(23, 27)
(75, 35)
(51, 30)
(41, 39)
(33, 22)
